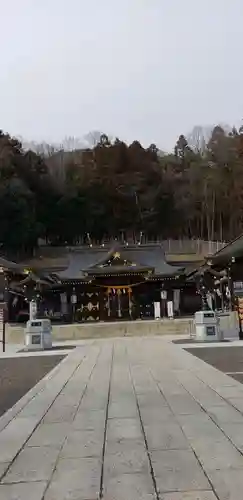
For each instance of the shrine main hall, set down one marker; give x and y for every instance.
(98, 283)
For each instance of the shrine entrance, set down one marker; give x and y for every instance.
(119, 303)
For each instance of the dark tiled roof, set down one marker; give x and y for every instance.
(78, 262)
(47, 264)
(89, 260)
(233, 249)
(9, 265)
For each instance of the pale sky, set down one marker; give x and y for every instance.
(137, 69)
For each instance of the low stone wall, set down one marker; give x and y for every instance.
(229, 324)
(77, 331)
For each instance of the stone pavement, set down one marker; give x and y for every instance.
(126, 419)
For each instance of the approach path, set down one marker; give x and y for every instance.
(126, 419)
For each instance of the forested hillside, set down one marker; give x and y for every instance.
(114, 189)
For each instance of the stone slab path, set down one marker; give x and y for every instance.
(126, 419)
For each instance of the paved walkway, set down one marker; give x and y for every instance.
(126, 419)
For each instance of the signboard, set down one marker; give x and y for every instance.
(36, 339)
(210, 330)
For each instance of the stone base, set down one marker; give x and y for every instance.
(77, 331)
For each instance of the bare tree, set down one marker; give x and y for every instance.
(93, 138)
(71, 143)
(198, 138)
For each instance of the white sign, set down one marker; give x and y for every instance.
(157, 313)
(2, 325)
(74, 299)
(1, 318)
(32, 310)
(170, 309)
(163, 294)
(209, 300)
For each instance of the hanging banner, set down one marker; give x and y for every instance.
(240, 311)
(157, 312)
(2, 286)
(2, 324)
(170, 309)
(176, 299)
(1, 319)
(64, 305)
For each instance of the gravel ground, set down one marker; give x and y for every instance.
(226, 359)
(19, 375)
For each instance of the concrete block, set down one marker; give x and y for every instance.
(123, 396)
(155, 415)
(237, 403)
(49, 435)
(82, 444)
(178, 470)
(235, 434)
(60, 413)
(126, 461)
(90, 403)
(228, 483)
(201, 427)
(125, 428)
(14, 436)
(22, 491)
(89, 420)
(217, 454)
(124, 446)
(123, 409)
(75, 479)
(190, 495)
(183, 405)
(32, 464)
(152, 399)
(129, 487)
(225, 414)
(3, 469)
(168, 436)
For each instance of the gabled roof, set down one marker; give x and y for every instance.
(233, 249)
(28, 274)
(89, 262)
(8, 265)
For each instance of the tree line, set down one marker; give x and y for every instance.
(112, 189)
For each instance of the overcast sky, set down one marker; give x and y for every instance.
(137, 69)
